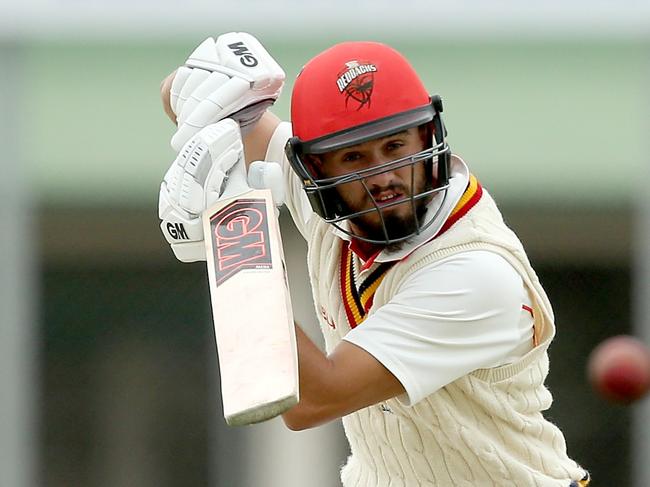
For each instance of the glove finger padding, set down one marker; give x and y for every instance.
(210, 109)
(209, 85)
(194, 181)
(192, 82)
(181, 76)
(251, 81)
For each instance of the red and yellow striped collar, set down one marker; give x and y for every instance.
(470, 197)
(357, 301)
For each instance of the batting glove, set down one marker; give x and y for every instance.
(233, 77)
(208, 164)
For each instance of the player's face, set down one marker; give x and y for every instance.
(387, 189)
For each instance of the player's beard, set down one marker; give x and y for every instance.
(397, 226)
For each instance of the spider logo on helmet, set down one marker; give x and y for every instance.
(356, 81)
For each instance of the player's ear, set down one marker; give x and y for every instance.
(314, 165)
(426, 134)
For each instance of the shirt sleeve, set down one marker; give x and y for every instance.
(449, 318)
(295, 200)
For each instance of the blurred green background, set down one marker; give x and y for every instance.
(126, 382)
(540, 122)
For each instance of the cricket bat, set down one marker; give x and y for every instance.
(251, 305)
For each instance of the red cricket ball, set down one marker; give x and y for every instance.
(619, 369)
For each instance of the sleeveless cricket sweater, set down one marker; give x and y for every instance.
(484, 429)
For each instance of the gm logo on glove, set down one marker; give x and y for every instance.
(244, 54)
(177, 231)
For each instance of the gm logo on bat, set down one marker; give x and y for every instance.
(240, 237)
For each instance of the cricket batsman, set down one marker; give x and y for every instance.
(436, 326)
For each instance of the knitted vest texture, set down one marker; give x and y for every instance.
(484, 429)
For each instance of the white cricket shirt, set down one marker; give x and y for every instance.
(462, 313)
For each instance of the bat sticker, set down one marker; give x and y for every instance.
(240, 238)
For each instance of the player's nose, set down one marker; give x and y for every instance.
(380, 180)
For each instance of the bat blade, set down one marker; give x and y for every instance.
(251, 308)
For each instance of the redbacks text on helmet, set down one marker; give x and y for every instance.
(352, 93)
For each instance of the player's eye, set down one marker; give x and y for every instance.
(351, 157)
(394, 145)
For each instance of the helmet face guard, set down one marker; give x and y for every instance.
(356, 92)
(324, 194)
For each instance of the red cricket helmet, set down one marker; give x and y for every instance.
(351, 93)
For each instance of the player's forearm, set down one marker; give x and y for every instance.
(314, 368)
(256, 140)
(333, 386)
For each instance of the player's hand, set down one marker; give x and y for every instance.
(210, 164)
(233, 77)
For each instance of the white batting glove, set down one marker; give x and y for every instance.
(233, 77)
(195, 180)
